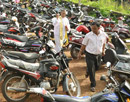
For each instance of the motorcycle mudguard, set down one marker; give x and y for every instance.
(105, 97)
(3, 75)
(65, 82)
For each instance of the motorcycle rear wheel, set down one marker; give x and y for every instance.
(13, 81)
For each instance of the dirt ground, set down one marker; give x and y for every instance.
(78, 67)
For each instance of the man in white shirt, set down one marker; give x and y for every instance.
(57, 21)
(94, 45)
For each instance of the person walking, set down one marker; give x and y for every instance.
(94, 46)
(61, 27)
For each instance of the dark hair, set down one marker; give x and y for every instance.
(96, 23)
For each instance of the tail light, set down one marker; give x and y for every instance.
(32, 15)
(70, 38)
(42, 4)
(42, 99)
(2, 65)
(54, 67)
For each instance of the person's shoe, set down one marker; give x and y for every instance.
(93, 89)
(86, 75)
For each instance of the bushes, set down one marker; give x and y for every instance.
(106, 5)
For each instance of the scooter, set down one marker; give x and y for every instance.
(122, 31)
(120, 64)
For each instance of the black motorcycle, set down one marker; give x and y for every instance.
(48, 74)
(113, 92)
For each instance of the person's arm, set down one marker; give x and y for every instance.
(67, 27)
(81, 51)
(106, 40)
(103, 49)
(55, 20)
(84, 44)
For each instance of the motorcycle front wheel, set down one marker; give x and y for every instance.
(73, 86)
(14, 81)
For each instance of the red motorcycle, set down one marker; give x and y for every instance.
(75, 40)
(108, 24)
(122, 29)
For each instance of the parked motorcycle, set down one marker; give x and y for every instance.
(21, 43)
(48, 74)
(122, 31)
(120, 64)
(117, 44)
(113, 92)
(120, 46)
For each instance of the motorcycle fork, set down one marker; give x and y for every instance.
(122, 100)
(58, 81)
(70, 74)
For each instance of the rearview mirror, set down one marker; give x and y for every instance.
(108, 64)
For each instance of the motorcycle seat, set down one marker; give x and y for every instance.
(107, 22)
(124, 57)
(47, 17)
(76, 14)
(24, 65)
(66, 98)
(27, 56)
(113, 22)
(17, 37)
(3, 27)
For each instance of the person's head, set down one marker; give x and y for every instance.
(63, 13)
(95, 26)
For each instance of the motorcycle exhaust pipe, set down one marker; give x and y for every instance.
(13, 89)
(30, 90)
(38, 90)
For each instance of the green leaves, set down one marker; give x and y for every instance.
(106, 5)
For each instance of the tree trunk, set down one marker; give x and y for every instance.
(79, 2)
(122, 3)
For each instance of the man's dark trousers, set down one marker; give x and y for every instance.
(93, 63)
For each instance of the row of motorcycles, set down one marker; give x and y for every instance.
(33, 66)
(24, 30)
(115, 90)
